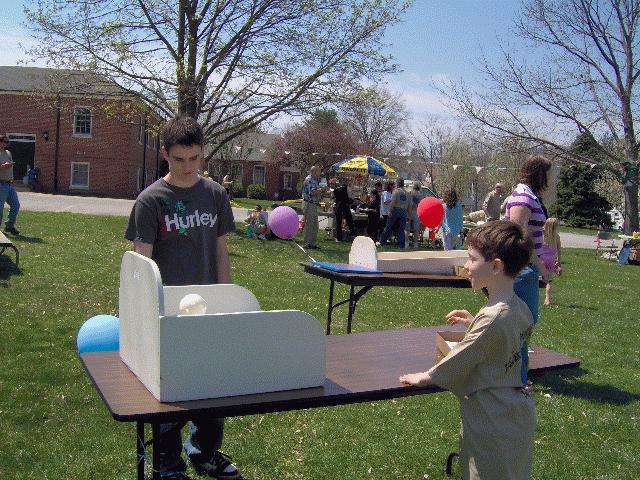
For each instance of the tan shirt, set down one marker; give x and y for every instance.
(491, 205)
(489, 354)
(6, 173)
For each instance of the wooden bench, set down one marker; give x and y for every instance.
(6, 243)
(610, 249)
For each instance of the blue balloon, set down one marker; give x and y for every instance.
(99, 334)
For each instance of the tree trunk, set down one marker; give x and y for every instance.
(631, 207)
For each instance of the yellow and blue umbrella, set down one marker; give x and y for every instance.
(364, 165)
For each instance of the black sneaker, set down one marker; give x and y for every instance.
(12, 230)
(219, 466)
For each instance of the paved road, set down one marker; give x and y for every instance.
(44, 202)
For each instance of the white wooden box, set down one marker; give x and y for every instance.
(232, 349)
(363, 252)
(427, 261)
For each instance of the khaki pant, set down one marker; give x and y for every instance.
(310, 212)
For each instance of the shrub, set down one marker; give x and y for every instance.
(256, 191)
(238, 191)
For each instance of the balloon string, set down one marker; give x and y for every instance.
(305, 252)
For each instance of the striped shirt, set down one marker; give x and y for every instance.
(523, 196)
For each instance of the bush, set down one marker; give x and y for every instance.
(238, 191)
(578, 205)
(256, 191)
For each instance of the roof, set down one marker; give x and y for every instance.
(52, 80)
(250, 146)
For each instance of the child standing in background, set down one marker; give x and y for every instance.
(551, 252)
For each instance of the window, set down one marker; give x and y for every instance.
(82, 121)
(79, 175)
(287, 181)
(258, 174)
(236, 173)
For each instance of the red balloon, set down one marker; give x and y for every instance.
(430, 211)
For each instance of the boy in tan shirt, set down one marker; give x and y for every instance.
(483, 370)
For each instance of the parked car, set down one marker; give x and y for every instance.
(617, 219)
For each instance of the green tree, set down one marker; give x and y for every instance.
(578, 204)
(232, 64)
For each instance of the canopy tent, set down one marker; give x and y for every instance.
(364, 166)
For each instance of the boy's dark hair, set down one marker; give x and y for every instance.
(378, 184)
(504, 240)
(534, 172)
(182, 130)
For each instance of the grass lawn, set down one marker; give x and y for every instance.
(54, 426)
(250, 203)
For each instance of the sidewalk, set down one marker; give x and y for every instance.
(46, 202)
(117, 207)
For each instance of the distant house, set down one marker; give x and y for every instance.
(81, 131)
(246, 159)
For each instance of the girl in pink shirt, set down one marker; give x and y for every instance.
(550, 254)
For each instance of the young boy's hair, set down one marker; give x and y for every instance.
(503, 240)
(182, 130)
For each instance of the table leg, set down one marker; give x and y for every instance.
(155, 428)
(449, 468)
(140, 449)
(330, 309)
(353, 303)
(352, 307)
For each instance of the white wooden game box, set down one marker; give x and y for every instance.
(363, 252)
(232, 349)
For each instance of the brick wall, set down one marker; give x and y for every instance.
(113, 152)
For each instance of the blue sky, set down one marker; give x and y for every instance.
(438, 39)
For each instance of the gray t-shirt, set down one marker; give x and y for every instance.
(6, 174)
(183, 225)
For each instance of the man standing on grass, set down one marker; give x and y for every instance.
(311, 192)
(8, 192)
(181, 222)
(492, 203)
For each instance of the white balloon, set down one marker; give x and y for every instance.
(193, 304)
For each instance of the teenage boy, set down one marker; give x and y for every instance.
(180, 221)
(8, 192)
(483, 370)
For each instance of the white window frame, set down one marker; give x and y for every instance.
(264, 175)
(287, 181)
(80, 186)
(75, 122)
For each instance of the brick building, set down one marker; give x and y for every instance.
(247, 160)
(82, 132)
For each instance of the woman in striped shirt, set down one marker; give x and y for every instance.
(525, 208)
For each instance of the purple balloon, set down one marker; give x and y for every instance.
(283, 221)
